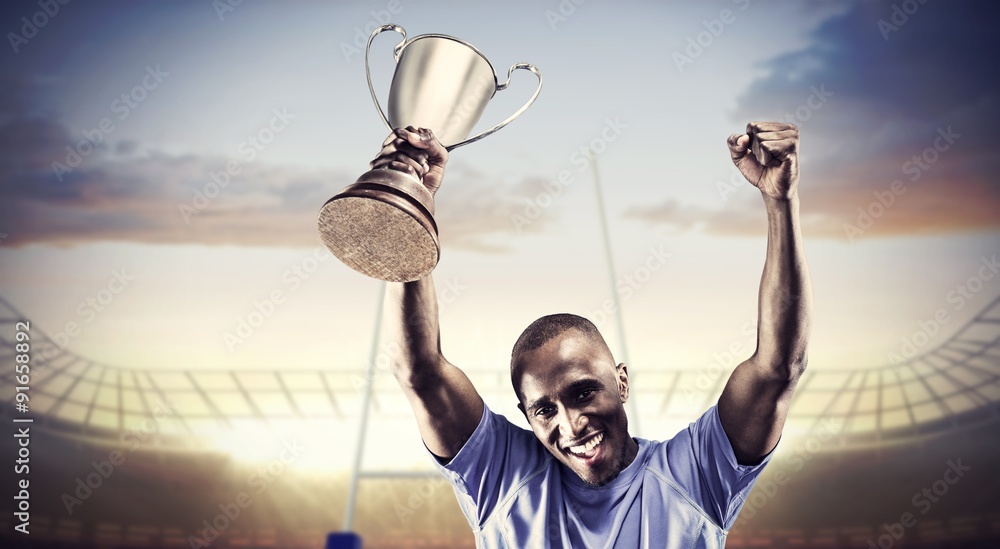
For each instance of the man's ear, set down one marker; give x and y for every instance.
(521, 407)
(622, 371)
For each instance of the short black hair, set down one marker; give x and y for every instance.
(542, 331)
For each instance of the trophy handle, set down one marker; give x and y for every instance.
(396, 51)
(518, 112)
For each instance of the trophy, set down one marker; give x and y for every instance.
(383, 225)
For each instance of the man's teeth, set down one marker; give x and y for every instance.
(588, 446)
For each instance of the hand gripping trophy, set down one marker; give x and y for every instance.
(383, 225)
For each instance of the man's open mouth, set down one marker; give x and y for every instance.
(589, 451)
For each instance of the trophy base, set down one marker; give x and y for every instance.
(383, 226)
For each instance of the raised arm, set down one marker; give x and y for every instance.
(755, 402)
(445, 403)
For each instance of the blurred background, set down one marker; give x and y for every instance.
(202, 372)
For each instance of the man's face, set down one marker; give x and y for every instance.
(573, 395)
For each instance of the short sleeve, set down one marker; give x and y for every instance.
(702, 461)
(491, 464)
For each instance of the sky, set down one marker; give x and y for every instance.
(118, 120)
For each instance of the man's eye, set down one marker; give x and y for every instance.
(543, 412)
(585, 394)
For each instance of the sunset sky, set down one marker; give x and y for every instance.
(199, 82)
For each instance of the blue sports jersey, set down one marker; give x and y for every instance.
(684, 492)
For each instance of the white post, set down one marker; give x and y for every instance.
(634, 419)
(359, 451)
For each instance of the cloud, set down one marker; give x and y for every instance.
(893, 94)
(478, 213)
(124, 192)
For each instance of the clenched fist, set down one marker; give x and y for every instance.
(416, 152)
(767, 155)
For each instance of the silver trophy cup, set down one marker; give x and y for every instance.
(383, 225)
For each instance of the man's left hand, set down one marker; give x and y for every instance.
(778, 145)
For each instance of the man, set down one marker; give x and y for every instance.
(579, 479)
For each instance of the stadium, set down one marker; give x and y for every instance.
(866, 448)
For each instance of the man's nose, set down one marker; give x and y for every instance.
(572, 423)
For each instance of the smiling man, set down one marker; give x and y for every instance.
(578, 478)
